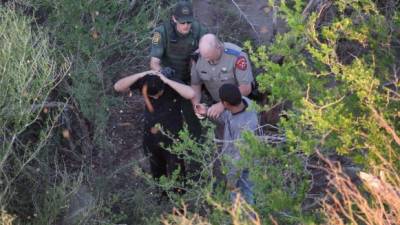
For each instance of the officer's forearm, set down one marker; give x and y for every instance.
(197, 94)
(184, 90)
(155, 64)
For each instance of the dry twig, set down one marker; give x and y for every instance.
(246, 18)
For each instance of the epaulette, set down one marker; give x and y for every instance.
(230, 51)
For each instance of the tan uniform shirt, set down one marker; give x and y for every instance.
(233, 67)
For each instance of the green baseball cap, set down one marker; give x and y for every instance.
(183, 12)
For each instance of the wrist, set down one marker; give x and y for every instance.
(143, 74)
(219, 104)
(165, 80)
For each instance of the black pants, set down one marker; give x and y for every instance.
(162, 162)
(191, 119)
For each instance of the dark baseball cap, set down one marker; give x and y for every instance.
(183, 12)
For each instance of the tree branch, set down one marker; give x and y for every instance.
(382, 122)
(246, 18)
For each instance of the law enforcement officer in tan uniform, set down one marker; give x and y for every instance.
(173, 43)
(220, 63)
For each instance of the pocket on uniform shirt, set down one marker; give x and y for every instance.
(226, 77)
(205, 76)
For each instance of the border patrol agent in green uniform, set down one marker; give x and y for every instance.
(173, 44)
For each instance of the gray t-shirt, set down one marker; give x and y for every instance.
(234, 126)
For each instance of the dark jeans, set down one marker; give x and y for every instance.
(245, 188)
(162, 162)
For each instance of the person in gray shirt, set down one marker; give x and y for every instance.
(236, 118)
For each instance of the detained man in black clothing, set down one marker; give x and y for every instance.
(163, 97)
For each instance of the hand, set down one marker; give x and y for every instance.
(161, 76)
(215, 110)
(143, 74)
(200, 110)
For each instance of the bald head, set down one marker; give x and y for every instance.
(210, 47)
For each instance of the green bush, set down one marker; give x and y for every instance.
(29, 180)
(279, 176)
(340, 72)
(28, 73)
(103, 39)
(340, 76)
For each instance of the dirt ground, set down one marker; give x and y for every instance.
(238, 20)
(126, 129)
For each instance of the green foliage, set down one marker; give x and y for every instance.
(56, 199)
(138, 205)
(102, 38)
(339, 95)
(344, 100)
(199, 158)
(28, 73)
(279, 178)
(32, 186)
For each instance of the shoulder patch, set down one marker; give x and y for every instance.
(156, 38)
(230, 51)
(241, 63)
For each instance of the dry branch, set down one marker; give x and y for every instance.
(384, 124)
(315, 6)
(246, 18)
(346, 202)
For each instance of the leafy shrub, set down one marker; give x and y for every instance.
(340, 73)
(28, 76)
(346, 105)
(103, 39)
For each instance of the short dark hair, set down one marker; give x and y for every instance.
(231, 94)
(154, 84)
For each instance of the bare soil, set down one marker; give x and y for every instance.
(238, 20)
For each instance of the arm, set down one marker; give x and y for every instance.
(195, 83)
(155, 64)
(197, 94)
(157, 48)
(202, 111)
(215, 110)
(123, 84)
(243, 74)
(245, 89)
(184, 90)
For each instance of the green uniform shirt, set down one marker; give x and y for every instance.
(233, 67)
(174, 49)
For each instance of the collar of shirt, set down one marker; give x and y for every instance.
(244, 108)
